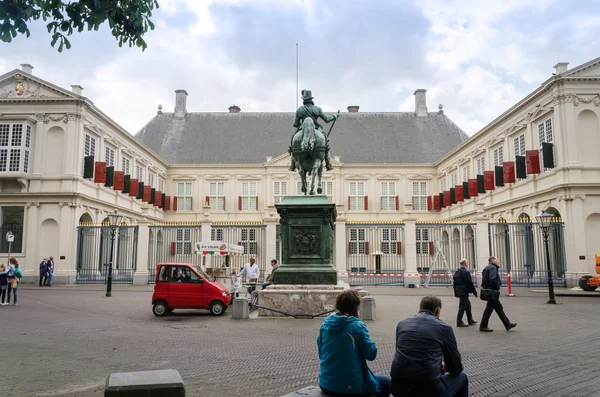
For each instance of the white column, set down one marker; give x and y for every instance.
(340, 244)
(410, 252)
(575, 240)
(29, 267)
(205, 236)
(482, 244)
(67, 244)
(271, 242)
(140, 276)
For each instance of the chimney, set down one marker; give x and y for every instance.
(77, 89)
(27, 68)
(353, 108)
(561, 67)
(234, 109)
(180, 102)
(420, 102)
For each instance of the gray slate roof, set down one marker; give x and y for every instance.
(248, 138)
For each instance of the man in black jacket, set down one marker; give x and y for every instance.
(426, 349)
(463, 286)
(491, 280)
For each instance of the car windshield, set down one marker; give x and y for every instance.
(201, 272)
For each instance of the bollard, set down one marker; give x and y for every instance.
(367, 308)
(240, 309)
(510, 285)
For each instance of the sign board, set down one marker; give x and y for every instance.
(218, 247)
(10, 237)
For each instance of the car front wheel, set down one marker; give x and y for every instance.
(217, 308)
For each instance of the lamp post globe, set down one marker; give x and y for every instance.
(545, 222)
(114, 220)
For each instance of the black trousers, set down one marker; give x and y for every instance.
(464, 305)
(487, 313)
(43, 280)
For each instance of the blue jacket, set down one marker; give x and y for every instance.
(344, 348)
(43, 269)
(490, 278)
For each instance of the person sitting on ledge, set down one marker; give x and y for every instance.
(344, 347)
(422, 342)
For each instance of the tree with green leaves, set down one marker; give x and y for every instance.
(129, 20)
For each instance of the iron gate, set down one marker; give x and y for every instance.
(93, 254)
(172, 243)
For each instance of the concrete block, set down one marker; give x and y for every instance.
(240, 309)
(367, 309)
(311, 391)
(140, 279)
(412, 279)
(161, 383)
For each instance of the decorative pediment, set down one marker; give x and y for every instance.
(515, 127)
(282, 160)
(388, 177)
(188, 178)
(357, 178)
(588, 69)
(112, 141)
(16, 85)
(216, 177)
(538, 112)
(280, 176)
(420, 177)
(128, 152)
(249, 177)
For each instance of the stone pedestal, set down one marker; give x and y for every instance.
(307, 241)
(298, 299)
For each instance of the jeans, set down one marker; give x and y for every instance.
(464, 304)
(2, 295)
(14, 293)
(448, 386)
(489, 308)
(384, 389)
(265, 285)
(50, 277)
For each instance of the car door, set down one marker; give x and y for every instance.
(185, 288)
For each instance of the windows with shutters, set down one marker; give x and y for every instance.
(15, 144)
(480, 162)
(357, 199)
(216, 197)
(161, 184)
(389, 199)
(109, 156)
(358, 243)
(466, 173)
(125, 165)
(545, 132)
(422, 241)
(89, 145)
(442, 184)
(419, 196)
(327, 187)
(453, 179)
(519, 145)
(184, 196)
(150, 179)
(389, 241)
(139, 173)
(248, 237)
(248, 200)
(216, 234)
(183, 242)
(498, 156)
(280, 190)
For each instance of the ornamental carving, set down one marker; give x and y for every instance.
(586, 99)
(305, 242)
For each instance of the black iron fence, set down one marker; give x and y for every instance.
(93, 254)
(17, 230)
(440, 246)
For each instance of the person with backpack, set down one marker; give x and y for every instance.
(13, 276)
(463, 286)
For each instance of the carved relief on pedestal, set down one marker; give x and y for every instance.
(305, 241)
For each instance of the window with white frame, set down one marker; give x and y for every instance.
(327, 187)
(216, 197)
(150, 179)
(249, 241)
(466, 172)
(357, 242)
(110, 156)
(357, 196)
(453, 179)
(388, 196)
(249, 198)
(161, 184)
(90, 145)
(184, 196)
(389, 241)
(419, 196)
(545, 132)
(480, 162)
(498, 156)
(125, 165)
(443, 184)
(216, 234)
(519, 144)
(422, 241)
(280, 190)
(183, 242)
(139, 173)
(15, 143)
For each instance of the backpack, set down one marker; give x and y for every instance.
(18, 273)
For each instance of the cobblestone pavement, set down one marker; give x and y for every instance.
(64, 341)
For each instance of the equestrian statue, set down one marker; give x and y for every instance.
(310, 145)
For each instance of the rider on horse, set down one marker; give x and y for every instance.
(308, 109)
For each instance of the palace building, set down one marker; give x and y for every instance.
(413, 192)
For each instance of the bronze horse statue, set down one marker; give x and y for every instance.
(309, 146)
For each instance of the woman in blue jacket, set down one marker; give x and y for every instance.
(344, 348)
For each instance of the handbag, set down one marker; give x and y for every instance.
(489, 294)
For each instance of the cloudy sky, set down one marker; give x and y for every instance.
(475, 60)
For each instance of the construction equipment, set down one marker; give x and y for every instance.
(438, 256)
(590, 283)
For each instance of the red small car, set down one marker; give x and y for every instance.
(186, 286)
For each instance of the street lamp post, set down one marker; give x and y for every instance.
(544, 220)
(115, 221)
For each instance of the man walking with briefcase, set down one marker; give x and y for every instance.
(490, 292)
